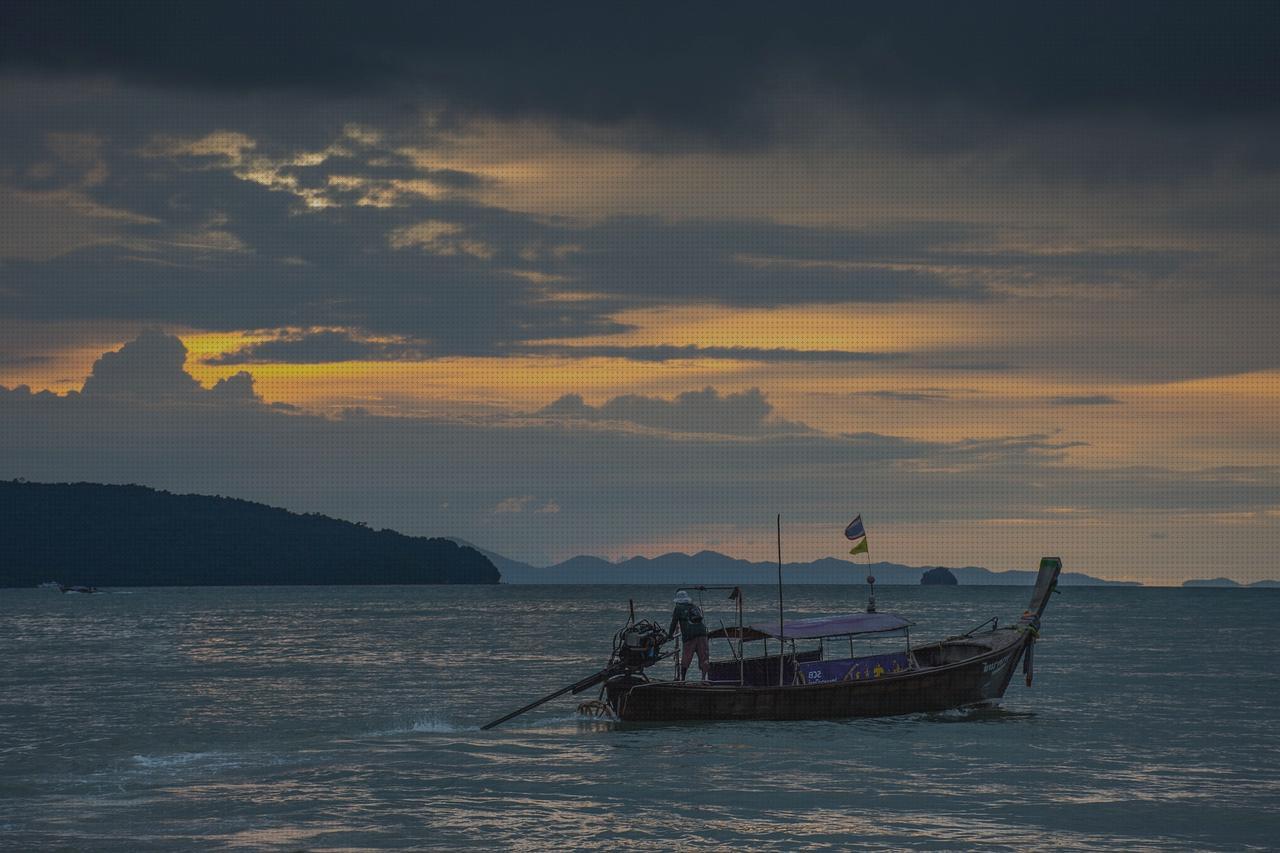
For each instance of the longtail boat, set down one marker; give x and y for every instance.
(973, 669)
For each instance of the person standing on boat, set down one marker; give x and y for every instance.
(693, 633)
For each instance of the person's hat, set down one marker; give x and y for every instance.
(682, 597)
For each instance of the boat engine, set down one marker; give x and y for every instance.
(638, 645)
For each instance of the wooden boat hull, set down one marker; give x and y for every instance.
(957, 673)
(971, 669)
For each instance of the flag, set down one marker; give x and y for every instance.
(861, 547)
(855, 530)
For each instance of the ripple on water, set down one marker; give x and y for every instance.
(349, 718)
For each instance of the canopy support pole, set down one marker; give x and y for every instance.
(782, 631)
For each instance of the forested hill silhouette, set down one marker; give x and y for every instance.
(98, 535)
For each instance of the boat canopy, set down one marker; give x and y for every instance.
(845, 625)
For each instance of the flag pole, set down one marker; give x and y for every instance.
(871, 581)
(782, 639)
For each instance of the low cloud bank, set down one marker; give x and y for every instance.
(701, 459)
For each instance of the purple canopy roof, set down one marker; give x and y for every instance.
(836, 626)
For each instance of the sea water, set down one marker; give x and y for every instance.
(349, 717)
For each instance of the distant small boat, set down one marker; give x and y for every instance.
(85, 590)
(50, 585)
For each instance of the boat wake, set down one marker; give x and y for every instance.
(976, 714)
(440, 724)
(196, 761)
(180, 759)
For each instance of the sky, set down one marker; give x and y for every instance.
(619, 280)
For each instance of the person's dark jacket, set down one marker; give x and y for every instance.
(689, 630)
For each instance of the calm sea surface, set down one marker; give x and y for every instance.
(326, 718)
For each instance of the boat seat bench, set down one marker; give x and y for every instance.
(808, 669)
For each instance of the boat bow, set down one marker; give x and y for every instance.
(1029, 624)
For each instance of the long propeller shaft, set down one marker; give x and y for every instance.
(576, 687)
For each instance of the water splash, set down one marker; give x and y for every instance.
(436, 724)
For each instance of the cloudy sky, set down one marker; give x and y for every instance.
(629, 279)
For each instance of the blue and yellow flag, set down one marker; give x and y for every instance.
(855, 530)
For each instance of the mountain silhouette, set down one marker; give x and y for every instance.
(99, 535)
(1228, 583)
(712, 567)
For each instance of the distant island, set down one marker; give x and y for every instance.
(103, 536)
(711, 567)
(1228, 583)
(941, 576)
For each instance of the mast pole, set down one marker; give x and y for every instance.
(742, 665)
(782, 631)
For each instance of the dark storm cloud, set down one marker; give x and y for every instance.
(659, 353)
(758, 263)
(903, 396)
(225, 228)
(196, 245)
(126, 231)
(151, 369)
(222, 241)
(340, 345)
(250, 254)
(698, 67)
(1210, 340)
(206, 249)
(151, 366)
(461, 304)
(322, 347)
